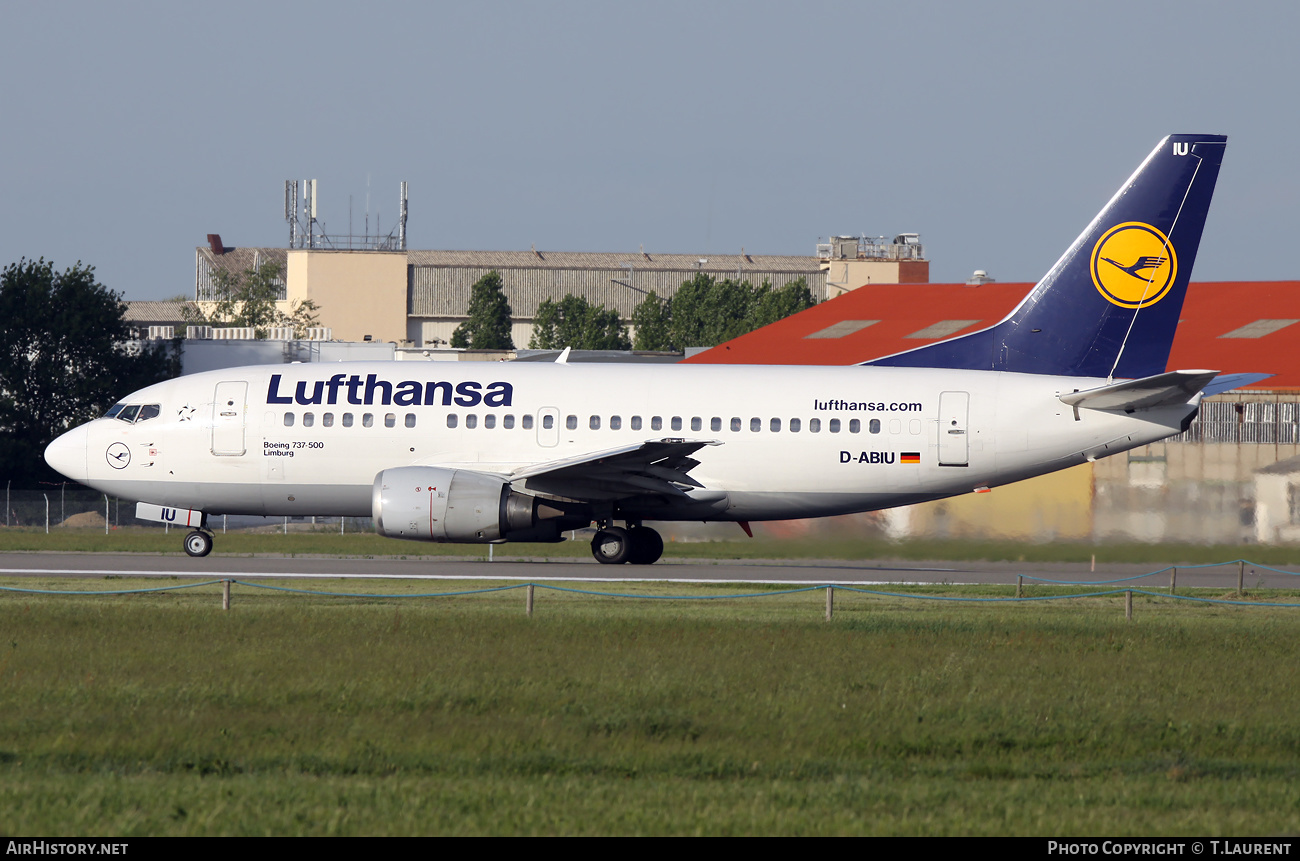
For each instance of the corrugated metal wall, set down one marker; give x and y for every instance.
(443, 291)
(1244, 422)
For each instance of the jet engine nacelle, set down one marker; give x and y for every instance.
(429, 503)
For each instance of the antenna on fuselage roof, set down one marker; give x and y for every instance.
(563, 358)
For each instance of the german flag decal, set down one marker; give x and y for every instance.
(909, 457)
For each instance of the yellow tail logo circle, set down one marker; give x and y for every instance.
(1133, 265)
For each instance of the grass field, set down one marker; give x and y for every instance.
(292, 714)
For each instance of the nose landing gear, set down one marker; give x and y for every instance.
(198, 543)
(639, 545)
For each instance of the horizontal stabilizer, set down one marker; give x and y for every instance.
(1227, 382)
(1174, 387)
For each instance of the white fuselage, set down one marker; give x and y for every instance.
(794, 441)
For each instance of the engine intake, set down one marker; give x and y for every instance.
(429, 503)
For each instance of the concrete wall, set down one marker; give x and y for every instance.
(846, 275)
(359, 293)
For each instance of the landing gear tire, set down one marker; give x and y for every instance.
(647, 546)
(611, 545)
(198, 543)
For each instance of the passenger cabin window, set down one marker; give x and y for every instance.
(715, 424)
(288, 420)
(452, 421)
(528, 422)
(874, 426)
(755, 424)
(735, 423)
(308, 419)
(677, 423)
(571, 422)
(390, 420)
(594, 422)
(368, 420)
(855, 426)
(794, 425)
(615, 422)
(507, 422)
(656, 423)
(471, 421)
(410, 420)
(774, 426)
(327, 420)
(636, 423)
(489, 421)
(814, 425)
(835, 425)
(347, 420)
(696, 423)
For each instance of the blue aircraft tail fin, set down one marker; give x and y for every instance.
(1110, 305)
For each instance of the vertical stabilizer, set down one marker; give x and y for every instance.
(1110, 305)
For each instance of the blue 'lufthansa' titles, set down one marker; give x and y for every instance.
(407, 393)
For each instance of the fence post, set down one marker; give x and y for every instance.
(7, 483)
(528, 600)
(106, 514)
(1241, 575)
(1173, 579)
(225, 594)
(490, 548)
(47, 512)
(1128, 605)
(1020, 585)
(830, 601)
(224, 518)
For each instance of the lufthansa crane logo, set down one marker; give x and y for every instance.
(1133, 265)
(118, 455)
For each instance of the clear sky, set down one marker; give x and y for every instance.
(995, 129)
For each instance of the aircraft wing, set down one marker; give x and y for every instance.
(1174, 387)
(652, 467)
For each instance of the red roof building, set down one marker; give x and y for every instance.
(1229, 326)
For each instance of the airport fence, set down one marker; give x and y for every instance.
(530, 589)
(68, 505)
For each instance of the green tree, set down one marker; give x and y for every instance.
(66, 355)
(707, 311)
(652, 320)
(772, 305)
(250, 298)
(488, 326)
(575, 322)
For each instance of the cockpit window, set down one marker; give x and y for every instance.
(134, 412)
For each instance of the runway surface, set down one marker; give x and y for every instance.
(99, 565)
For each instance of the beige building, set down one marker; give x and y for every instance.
(418, 298)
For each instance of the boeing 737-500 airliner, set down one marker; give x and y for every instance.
(472, 452)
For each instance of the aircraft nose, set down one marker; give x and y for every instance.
(67, 454)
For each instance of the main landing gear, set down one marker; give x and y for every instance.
(198, 543)
(639, 545)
